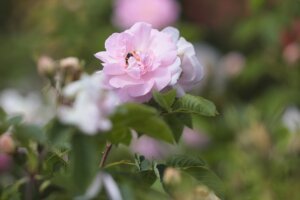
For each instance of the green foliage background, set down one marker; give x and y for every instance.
(250, 147)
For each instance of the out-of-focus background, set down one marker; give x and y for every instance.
(251, 53)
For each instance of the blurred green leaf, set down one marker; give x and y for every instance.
(142, 163)
(54, 162)
(85, 161)
(58, 135)
(15, 120)
(208, 178)
(148, 177)
(119, 135)
(195, 105)
(159, 170)
(25, 133)
(2, 114)
(256, 5)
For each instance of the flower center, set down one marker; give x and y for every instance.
(132, 54)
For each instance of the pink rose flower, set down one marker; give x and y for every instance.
(159, 13)
(138, 61)
(192, 70)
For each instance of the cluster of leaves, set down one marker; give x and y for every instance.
(59, 162)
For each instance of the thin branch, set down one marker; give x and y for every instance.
(105, 154)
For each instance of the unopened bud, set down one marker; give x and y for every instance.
(203, 193)
(46, 65)
(7, 144)
(171, 176)
(70, 63)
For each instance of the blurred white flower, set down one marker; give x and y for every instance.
(192, 69)
(102, 179)
(209, 58)
(30, 106)
(92, 104)
(291, 119)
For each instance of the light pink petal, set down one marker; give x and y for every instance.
(133, 69)
(193, 70)
(163, 47)
(141, 33)
(104, 57)
(173, 32)
(113, 69)
(123, 95)
(134, 72)
(140, 90)
(185, 47)
(123, 80)
(161, 77)
(143, 99)
(118, 44)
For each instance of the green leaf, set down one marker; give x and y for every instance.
(159, 170)
(119, 135)
(143, 119)
(165, 100)
(85, 161)
(195, 105)
(181, 161)
(25, 133)
(175, 124)
(148, 177)
(142, 163)
(208, 178)
(197, 168)
(58, 135)
(154, 127)
(130, 113)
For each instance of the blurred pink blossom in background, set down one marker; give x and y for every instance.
(194, 139)
(150, 147)
(159, 13)
(5, 162)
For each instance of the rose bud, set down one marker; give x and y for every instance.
(46, 65)
(70, 63)
(7, 144)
